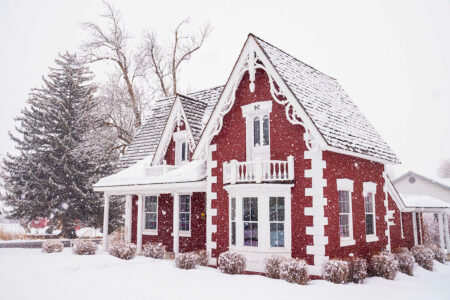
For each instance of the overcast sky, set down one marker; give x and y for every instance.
(392, 57)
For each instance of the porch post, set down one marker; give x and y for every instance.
(176, 226)
(441, 230)
(139, 224)
(105, 222)
(420, 228)
(447, 236)
(128, 217)
(414, 219)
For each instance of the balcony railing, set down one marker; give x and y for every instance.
(159, 170)
(258, 171)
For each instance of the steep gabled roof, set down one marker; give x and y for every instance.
(198, 107)
(337, 118)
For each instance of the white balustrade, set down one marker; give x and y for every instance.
(159, 170)
(258, 171)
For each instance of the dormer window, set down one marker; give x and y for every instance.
(181, 139)
(257, 116)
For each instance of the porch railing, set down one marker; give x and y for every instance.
(159, 170)
(258, 171)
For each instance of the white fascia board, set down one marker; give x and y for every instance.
(160, 188)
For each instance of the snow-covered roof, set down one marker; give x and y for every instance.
(336, 117)
(198, 107)
(423, 201)
(442, 182)
(136, 175)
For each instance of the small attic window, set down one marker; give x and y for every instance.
(412, 179)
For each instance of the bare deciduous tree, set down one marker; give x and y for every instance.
(165, 62)
(149, 72)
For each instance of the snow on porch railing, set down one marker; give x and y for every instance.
(258, 171)
(159, 170)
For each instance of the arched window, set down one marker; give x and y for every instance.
(183, 151)
(256, 132)
(266, 130)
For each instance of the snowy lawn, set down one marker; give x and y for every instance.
(31, 274)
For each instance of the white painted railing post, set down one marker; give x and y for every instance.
(105, 222)
(258, 170)
(139, 224)
(164, 167)
(233, 171)
(176, 226)
(291, 167)
(414, 219)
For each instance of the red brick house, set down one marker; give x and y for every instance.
(277, 161)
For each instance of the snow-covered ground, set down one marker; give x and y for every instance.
(31, 274)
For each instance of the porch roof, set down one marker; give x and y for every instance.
(424, 203)
(189, 177)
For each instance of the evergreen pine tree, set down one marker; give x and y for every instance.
(62, 150)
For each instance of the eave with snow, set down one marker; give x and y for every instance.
(278, 161)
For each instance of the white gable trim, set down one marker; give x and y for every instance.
(177, 114)
(247, 61)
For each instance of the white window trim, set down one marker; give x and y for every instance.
(249, 112)
(263, 192)
(150, 231)
(370, 187)
(186, 233)
(180, 137)
(345, 184)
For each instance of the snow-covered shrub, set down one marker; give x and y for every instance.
(155, 250)
(273, 266)
(336, 271)
(202, 257)
(122, 249)
(384, 265)
(405, 261)
(186, 260)
(430, 230)
(232, 263)
(84, 247)
(295, 271)
(423, 256)
(439, 254)
(357, 269)
(50, 246)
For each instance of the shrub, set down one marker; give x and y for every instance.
(84, 247)
(51, 246)
(122, 249)
(232, 263)
(186, 260)
(357, 269)
(155, 250)
(295, 271)
(405, 261)
(336, 271)
(202, 257)
(384, 265)
(273, 266)
(439, 254)
(423, 256)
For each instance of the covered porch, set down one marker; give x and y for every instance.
(139, 184)
(425, 204)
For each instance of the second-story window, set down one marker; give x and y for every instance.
(185, 151)
(261, 131)
(181, 139)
